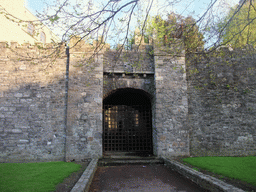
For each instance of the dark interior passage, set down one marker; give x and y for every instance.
(127, 122)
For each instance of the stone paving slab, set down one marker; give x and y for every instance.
(207, 182)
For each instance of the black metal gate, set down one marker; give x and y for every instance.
(127, 128)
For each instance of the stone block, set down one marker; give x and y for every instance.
(16, 131)
(84, 117)
(12, 109)
(89, 138)
(26, 94)
(18, 94)
(159, 78)
(98, 135)
(162, 138)
(182, 144)
(83, 139)
(26, 100)
(4, 109)
(175, 144)
(23, 67)
(98, 100)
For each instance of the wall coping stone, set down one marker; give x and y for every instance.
(85, 180)
(205, 181)
(127, 73)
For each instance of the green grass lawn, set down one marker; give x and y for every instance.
(241, 168)
(34, 177)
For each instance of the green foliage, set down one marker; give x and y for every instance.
(79, 64)
(195, 168)
(40, 177)
(241, 29)
(53, 19)
(33, 63)
(242, 168)
(193, 71)
(198, 88)
(176, 27)
(246, 90)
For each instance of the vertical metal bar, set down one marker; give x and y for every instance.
(66, 105)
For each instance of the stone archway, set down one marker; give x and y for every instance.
(127, 123)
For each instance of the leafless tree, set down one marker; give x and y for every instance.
(112, 20)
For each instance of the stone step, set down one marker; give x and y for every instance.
(125, 161)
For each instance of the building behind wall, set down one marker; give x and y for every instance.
(29, 30)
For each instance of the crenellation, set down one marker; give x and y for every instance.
(3, 44)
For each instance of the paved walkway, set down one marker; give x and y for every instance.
(140, 178)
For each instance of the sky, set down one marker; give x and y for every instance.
(198, 6)
(185, 7)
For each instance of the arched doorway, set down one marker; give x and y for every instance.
(127, 126)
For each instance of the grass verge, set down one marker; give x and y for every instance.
(241, 168)
(30, 177)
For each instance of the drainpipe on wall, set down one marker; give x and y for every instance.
(66, 105)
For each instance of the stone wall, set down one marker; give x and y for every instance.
(33, 99)
(204, 108)
(32, 94)
(171, 106)
(135, 61)
(162, 76)
(84, 131)
(130, 69)
(222, 103)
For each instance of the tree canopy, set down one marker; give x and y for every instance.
(176, 26)
(238, 28)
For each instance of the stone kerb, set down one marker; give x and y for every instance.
(205, 181)
(83, 184)
(171, 106)
(31, 105)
